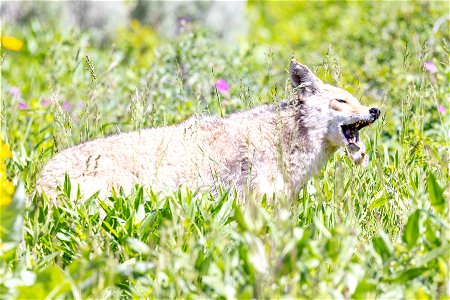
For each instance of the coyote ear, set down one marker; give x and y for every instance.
(304, 82)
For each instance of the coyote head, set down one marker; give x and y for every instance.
(331, 111)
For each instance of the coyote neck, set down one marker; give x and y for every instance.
(281, 149)
(310, 150)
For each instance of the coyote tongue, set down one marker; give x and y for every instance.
(351, 134)
(354, 146)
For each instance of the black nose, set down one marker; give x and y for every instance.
(375, 112)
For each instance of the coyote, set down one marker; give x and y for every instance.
(268, 149)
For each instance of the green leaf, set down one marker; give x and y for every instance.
(383, 246)
(380, 200)
(364, 287)
(435, 193)
(240, 218)
(246, 293)
(138, 246)
(432, 255)
(411, 233)
(11, 220)
(61, 236)
(67, 185)
(50, 283)
(408, 275)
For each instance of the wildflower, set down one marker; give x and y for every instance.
(15, 92)
(66, 106)
(430, 67)
(222, 86)
(45, 102)
(6, 190)
(441, 109)
(6, 187)
(182, 23)
(22, 106)
(11, 43)
(184, 20)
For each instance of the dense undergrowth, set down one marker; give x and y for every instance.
(378, 232)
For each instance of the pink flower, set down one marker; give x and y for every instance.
(15, 92)
(430, 67)
(222, 86)
(66, 106)
(45, 102)
(441, 109)
(22, 106)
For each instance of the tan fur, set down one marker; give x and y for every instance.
(268, 149)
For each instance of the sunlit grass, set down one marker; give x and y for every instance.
(375, 232)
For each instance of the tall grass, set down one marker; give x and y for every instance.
(375, 232)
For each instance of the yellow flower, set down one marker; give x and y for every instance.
(6, 187)
(11, 43)
(421, 294)
(4, 151)
(6, 192)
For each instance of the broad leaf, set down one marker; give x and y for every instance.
(435, 193)
(411, 233)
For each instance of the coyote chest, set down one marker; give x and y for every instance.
(269, 149)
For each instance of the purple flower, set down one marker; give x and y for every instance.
(22, 106)
(66, 106)
(15, 92)
(184, 20)
(45, 102)
(430, 67)
(222, 86)
(441, 109)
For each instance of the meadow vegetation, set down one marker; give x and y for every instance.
(375, 232)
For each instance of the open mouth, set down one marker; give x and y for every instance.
(351, 131)
(356, 149)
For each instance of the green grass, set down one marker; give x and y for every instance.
(379, 232)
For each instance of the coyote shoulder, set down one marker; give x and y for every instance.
(267, 149)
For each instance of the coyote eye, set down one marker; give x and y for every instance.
(341, 101)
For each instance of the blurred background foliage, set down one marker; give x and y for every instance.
(74, 71)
